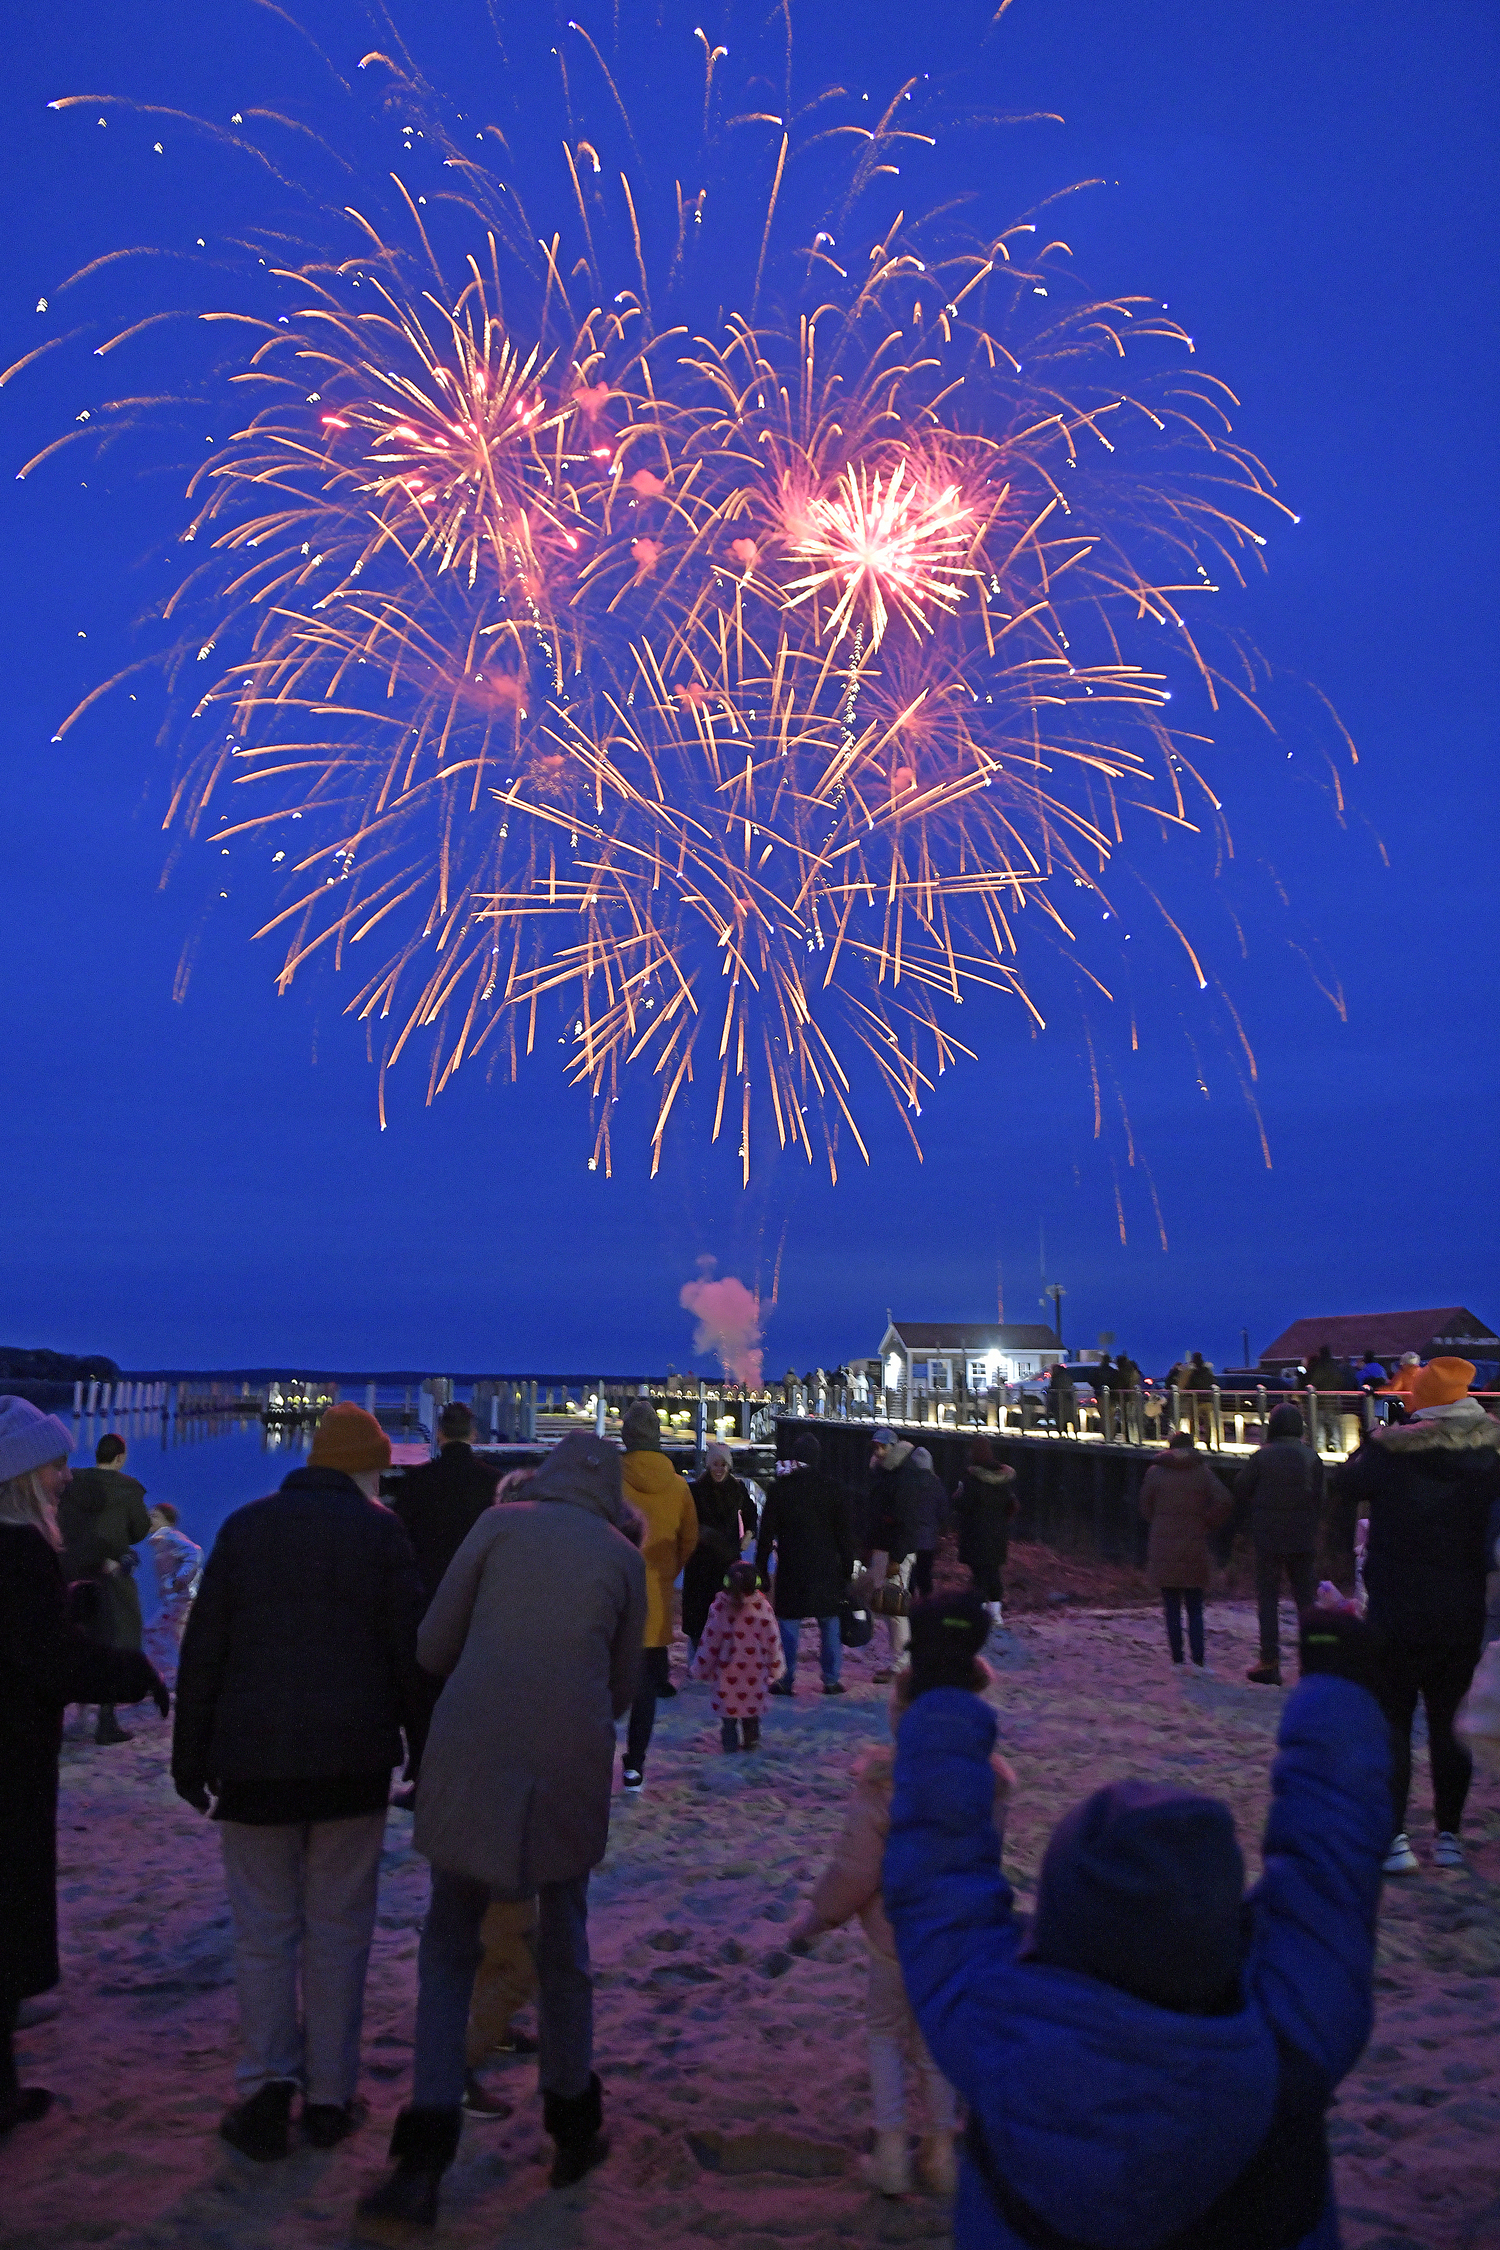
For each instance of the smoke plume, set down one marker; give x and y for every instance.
(728, 1318)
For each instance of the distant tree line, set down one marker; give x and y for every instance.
(54, 1367)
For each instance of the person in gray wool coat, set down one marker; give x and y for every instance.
(536, 1630)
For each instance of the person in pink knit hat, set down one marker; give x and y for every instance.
(741, 1654)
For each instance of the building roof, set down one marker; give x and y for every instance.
(975, 1336)
(1439, 1329)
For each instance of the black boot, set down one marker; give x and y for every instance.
(575, 2121)
(109, 1728)
(424, 2144)
(260, 2126)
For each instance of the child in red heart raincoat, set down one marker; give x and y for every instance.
(741, 1654)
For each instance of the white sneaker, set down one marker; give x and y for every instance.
(993, 1612)
(632, 1780)
(887, 2168)
(1401, 1859)
(1447, 1851)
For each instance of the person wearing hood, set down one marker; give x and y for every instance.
(45, 1664)
(102, 1517)
(536, 1631)
(1430, 1488)
(929, 1520)
(985, 1503)
(1150, 2061)
(297, 1677)
(850, 1885)
(808, 1521)
(1183, 1501)
(727, 1517)
(179, 1566)
(664, 1504)
(1282, 1483)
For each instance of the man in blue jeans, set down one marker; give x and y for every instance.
(536, 1630)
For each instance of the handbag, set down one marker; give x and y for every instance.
(856, 1626)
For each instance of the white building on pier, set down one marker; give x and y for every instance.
(949, 1359)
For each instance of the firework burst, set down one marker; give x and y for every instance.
(749, 689)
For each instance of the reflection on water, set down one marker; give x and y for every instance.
(205, 1468)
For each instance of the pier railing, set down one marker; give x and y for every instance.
(1221, 1418)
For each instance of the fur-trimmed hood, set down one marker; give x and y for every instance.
(1462, 1428)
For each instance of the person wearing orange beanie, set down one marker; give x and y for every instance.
(297, 1678)
(1431, 1490)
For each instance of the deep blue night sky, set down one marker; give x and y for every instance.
(204, 1182)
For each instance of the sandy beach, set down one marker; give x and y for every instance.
(734, 2073)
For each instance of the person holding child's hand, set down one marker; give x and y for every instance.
(945, 1643)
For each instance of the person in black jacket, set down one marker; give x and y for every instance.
(298, 1673)
(45, 1664)
(808, 1521)
(929, 1522)
(1430, 1488)
(1283, 1485)
(895, 1483)
(985, 1503)
(441, 1501)
(726, 1519)
(102, 1517)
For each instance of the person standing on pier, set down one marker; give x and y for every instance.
(664, 1503)
(45, 1664)
(297, 1678)
(102, 1517)
(1128, 1387)
(1062, 1399)
(515, 1794)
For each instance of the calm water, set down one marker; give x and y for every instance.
(206, 1470)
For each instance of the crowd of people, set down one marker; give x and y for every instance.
(1152, 2044)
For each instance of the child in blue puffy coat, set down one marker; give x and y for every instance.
(1147, 2064)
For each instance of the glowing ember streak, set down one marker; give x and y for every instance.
(742, 689)
(887, 544)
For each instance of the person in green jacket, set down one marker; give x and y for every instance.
(102, 1517)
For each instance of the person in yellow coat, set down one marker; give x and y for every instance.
(658, 1493)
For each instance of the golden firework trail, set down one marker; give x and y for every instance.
(745, 694)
